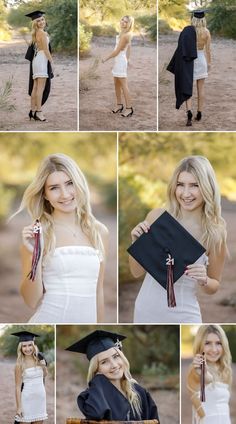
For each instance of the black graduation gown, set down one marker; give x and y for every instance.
(47, 88)
(181, 64)
(103, 401)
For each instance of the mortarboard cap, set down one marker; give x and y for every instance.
(35, 15)
(199, 14)
(25, 336)
(96, 342)
(166, 244)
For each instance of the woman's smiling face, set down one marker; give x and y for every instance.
(188, 193)
(213, 348)
(59, 191)
(111, 364)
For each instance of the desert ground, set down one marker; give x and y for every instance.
(97, 97)
(219, 113)
(61, 106)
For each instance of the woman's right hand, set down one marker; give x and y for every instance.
(197, 362)
(28, 237)
(19, 412)
(142, 227)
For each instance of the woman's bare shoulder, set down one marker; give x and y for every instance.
(154, 214)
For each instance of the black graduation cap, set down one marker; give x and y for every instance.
(35, 15)
(165, 250)
(25, 336)
(96, 342)
(199, 14)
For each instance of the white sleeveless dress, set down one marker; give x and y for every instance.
(119, 69)
(151, 303)
(33, 396)
(40, 64)
(70, 278)
(216, 407)
(200, 66)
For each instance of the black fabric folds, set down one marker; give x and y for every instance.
(181, 64)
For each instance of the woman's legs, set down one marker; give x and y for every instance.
(119, 104)
(39, 93)
(125, 89)
(200, 94)
(33, 96)
(189, 112)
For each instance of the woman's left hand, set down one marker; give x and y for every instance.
(198, 272)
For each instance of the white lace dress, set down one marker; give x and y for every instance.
(216, 407)
(200, 66)
(119, 69)
(151, 303)
(40, 64)
(33, 396)
(70, 278)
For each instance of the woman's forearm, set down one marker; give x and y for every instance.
(211, 287)
(135, 268)
(18, 397)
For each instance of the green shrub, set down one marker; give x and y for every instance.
(149, 22)
(163, 27)
(103, 30)
(84, 40)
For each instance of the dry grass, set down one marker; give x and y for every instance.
(89, 74)
(5, 95)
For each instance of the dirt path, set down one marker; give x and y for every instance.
(220, 89)
(7, 393)
(97, 97)
(13, 308)
(70, 384)
(61, 107)
(220, 307)
(186, 407)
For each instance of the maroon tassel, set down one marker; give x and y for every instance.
(170, 282)
(202, 380)
(36, 251)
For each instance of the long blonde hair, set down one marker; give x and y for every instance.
(127, 382)
(130, 27)
(34, 30)
(224, 370)
(20, 361)
(213, 225)
(200, 26)
(40, 208)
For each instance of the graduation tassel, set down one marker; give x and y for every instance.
(202, 379)
(36, 251)
(170, 282)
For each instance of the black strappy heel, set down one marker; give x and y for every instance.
(189, 118)
(198, 117)
(37, 118)
(119, 109)
(129, 114)
(31, 114)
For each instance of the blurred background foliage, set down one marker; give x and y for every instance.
(61, 17)
(146, 163)
(188, 333)
(221, 16)
(153, 351)
(45, 343)
(21, 153)
(101, 18)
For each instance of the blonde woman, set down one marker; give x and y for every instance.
(193, 199)
(201, 64)
(212, 341)
(121, 55)
(41, 66)
(112, 393)
(68, 283)
(30, 372)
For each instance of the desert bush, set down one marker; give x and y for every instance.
(84, 40)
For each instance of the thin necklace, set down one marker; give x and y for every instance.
(67, 227)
